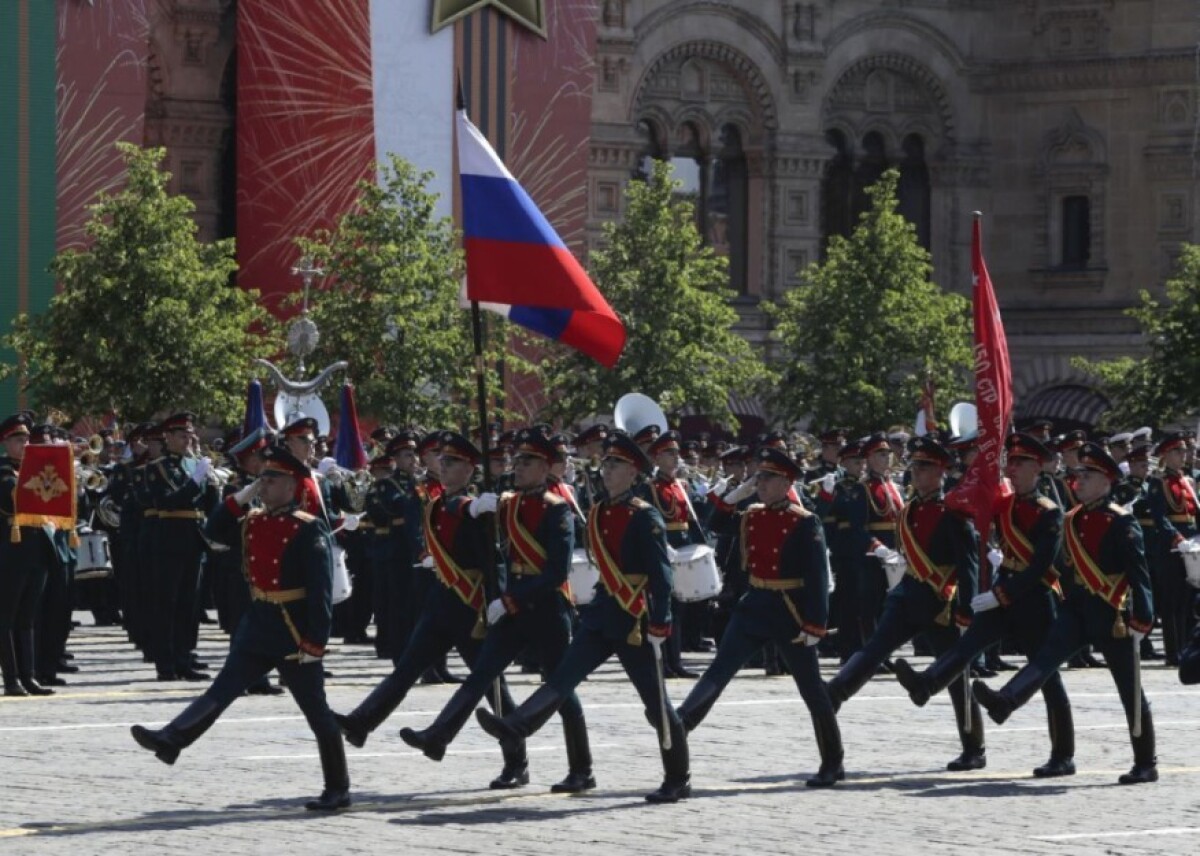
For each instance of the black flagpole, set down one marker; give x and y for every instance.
(491, 583)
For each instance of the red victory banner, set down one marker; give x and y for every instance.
(45, 491)
(975, 494)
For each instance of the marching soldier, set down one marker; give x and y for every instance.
(871, 514)
(669, 496)
(453, 614)
(24, 566)
(1021, 604)
(933, 598)
(846, 500)
(787, 603)
(630, 617)
(1134, 493)
(1173, 507)
(589, 486)
(180, 493)
(530, 609)
(1108, 603)
(290, 572)
(393, 512)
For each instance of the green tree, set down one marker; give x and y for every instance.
(671, 291)
(866, 327)
(389, 305)
(1160, 387)
(148, 318)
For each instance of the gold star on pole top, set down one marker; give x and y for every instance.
(530, 14)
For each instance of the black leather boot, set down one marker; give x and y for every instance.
(579, 759)
(850, 679)
(25, 662)
(8, 665)
(1062, 739)
(1145, 759)
(677, 769)
(516, 767)
(829, 743)
(698, 703)
(532, 714)
(181, 732)
(371, 712)
(1015, 693)
(337, 778)
(974, 754)
(913, 682)
(433, 740)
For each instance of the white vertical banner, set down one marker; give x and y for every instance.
(413, 82)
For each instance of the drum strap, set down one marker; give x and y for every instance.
(1094, 578)
(449, 574)
(629, 595)
(941, 578)
(529, 550)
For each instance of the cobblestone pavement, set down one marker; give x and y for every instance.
(74, 781)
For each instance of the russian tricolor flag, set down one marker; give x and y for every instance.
(517, 263)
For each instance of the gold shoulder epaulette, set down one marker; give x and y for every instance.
(638, 502)
(754, 506)
(1046, 502)
(304, 516)
(798, 510)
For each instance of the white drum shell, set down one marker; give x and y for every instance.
(342, 587)
(92, 558)
(1191, 564)
(895, 570)
(584, 577)
(695, 575)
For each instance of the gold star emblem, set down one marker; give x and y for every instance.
(530, 14)
(47, 484)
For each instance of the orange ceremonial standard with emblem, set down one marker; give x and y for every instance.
(45, 492)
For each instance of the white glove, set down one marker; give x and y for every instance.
(325, 465)
(672, 553)
(1137, 635)
(1123, 467)
(984, 602)
(495, 611)
(739, 493)
(656, 642)
(304, 658)
(828, 482)
(719, 487)
(246, 495)
(995, 557)
(883, 552)
(201, 470)
(350, 522)
(569, 472)
(806, 639)
(427, 562)
(482, 504)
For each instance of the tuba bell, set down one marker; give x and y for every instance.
(635, 411)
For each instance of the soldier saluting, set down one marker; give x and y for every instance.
(288, 566)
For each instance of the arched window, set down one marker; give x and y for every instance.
(914, 187)
(837, 190)
(727, 205)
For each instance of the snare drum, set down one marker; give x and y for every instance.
(342, 586)
(93, 561)
(695, 575)
(1190, 552)
(895, 569)
(585, 576)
